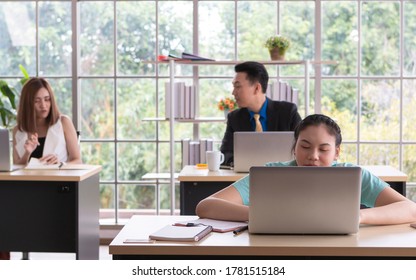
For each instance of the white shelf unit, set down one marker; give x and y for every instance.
(172, 120)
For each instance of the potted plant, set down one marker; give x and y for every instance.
(8, 97)
(277, 46)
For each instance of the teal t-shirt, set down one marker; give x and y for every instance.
(371, 185)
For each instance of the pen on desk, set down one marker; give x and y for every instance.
(240, 230)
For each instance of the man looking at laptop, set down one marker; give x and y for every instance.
(317, 143)
(250, 85)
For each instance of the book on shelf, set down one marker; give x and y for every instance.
(288, 93)
(194, 152)
(205, 145)
(295, 96)
(174, 56)
(187, 103)
(184, 100)
(192, 101)
(210, 144)
(181, 103)
(202, 151)
(276, 91)
(181, 233)
(185, 151)
(217, 225)
(282, 91)
(189, 56)
(184, 57)
(175, 97)
(269, 91)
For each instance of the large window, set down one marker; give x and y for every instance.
(100, 58)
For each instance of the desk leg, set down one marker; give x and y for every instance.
(88, 232)
(193, 192)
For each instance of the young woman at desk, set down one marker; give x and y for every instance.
(41, 131)
(317, 143)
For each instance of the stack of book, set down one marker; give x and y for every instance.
(194, 152)
(184, 98)
(282, 91)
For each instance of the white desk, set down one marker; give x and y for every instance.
(397, 241)
(50, 211)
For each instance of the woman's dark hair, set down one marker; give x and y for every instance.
(318, 119)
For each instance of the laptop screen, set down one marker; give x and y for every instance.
(258, 148)
(5, 160)
(304, 200)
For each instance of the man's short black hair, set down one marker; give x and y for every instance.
(256, 72)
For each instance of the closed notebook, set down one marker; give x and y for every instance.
(181, 233)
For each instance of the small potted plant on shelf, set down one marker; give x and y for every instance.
(277, 46)
(227, 105)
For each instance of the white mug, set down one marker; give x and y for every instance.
(214, 160)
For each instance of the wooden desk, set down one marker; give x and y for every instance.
(50, 211)
(197, 184)
(397, 241)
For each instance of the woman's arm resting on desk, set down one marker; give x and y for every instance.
(391, 208)
(223, 205)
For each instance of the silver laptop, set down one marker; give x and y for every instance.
(5, 159)
(257, 148)
(304, 200)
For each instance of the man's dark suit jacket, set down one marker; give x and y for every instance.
(281, 116)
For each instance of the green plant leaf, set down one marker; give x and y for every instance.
(8, 92)
(25, 74)
(5, 114)
(277, 41)
(3, 117)
(8, 108)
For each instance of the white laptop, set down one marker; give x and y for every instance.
(304, 200)
(257, 148)
(5, 159)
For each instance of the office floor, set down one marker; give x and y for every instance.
(107, 234)
(103, 255)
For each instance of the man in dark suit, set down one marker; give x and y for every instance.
(250, 85)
